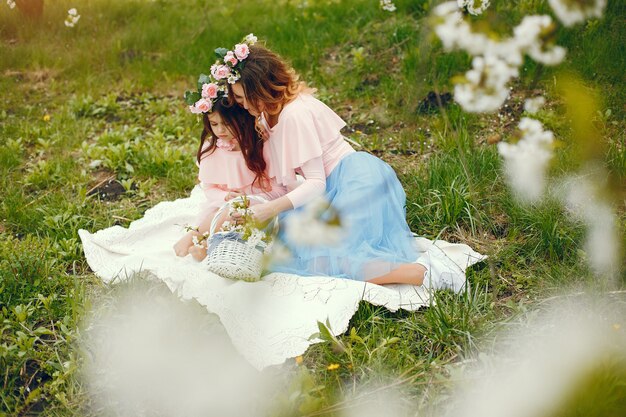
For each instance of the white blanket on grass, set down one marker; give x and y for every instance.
(270, 320)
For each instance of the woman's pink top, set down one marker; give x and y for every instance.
(306, 140)
(222, 171)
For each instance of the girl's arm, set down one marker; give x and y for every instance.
(215, 199)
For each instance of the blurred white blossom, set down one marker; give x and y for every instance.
(72, 18)
(571, 12)
(276, 254)
(532, 37)
(530, 29)
(315, 224)
(11, 4)
(535, 369)
(454, 32)
(387, 5)
(256, 237)
(533, 105)
(496, 61)
(547, 55)
(474, 7)
(377, 400)
(486, 87)
(147, 353)
(526, 161)
(602, 244)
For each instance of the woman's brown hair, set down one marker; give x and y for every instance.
(242, 125)
(268, 81)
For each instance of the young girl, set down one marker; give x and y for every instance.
(304, 138)
(231, 161)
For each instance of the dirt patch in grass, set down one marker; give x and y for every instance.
(34, 76)
(106, 186)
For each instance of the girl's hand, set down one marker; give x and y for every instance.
(233, 194)
(220, 220)
(181, 248)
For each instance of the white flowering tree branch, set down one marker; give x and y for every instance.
(486, 86)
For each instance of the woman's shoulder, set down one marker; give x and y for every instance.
(306, 104)
(294, 108)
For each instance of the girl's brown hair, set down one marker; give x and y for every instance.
(268, 81)
(242, 125)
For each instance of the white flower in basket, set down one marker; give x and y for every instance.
(236, 251)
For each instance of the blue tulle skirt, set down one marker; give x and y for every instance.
(371, 203)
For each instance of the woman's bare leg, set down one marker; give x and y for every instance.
(412, 274)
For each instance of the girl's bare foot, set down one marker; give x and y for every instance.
(198, 252)
(181, 248)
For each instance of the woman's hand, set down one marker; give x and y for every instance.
(263, 212)
(260, 212)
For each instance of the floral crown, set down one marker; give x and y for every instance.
(227, 67)
(209, 91)
(230, 63)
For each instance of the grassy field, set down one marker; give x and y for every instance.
(110, 90)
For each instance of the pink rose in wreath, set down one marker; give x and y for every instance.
(203, 106)
(209, 90)
(221, 72)
(230, 57)
(242, 51)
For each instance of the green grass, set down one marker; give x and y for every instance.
(104, 100)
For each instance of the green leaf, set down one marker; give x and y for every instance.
(203, 79)
(325, 333)
(42, 330)
(355, 337)
(315, 336)
(393, 340)
(221, 52)
(33, 396)
(191, 97)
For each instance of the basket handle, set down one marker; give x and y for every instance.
(240, 198)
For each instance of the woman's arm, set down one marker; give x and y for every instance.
(277, 190)
(314, 185)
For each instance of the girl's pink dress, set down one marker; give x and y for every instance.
(222, 171)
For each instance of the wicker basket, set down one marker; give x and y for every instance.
(231, 257)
